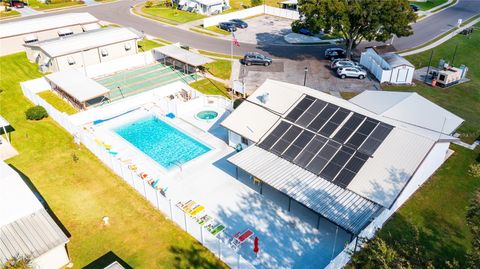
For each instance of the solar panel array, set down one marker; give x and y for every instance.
(327, 140)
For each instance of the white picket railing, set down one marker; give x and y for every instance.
(162, 203)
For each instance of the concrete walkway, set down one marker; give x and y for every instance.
(27, 11)
(430, 12)
(465, 145)
(91, 2)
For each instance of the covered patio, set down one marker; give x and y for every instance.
(78, 89)
(183, 59)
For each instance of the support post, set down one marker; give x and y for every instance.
(318, 221)
(428, 67)
(289, 203)
(261, 187)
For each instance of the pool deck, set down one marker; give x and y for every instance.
(287, 240)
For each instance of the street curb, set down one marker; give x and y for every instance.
(441, 40)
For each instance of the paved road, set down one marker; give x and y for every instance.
(424, 30)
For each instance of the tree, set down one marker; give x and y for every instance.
(18, 263)
(473, 220)
(255, 3)
(378, 254)
(357, 20)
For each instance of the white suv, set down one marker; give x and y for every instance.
(352, 72)
(343, 63)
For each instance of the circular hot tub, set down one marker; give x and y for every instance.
(207, 115)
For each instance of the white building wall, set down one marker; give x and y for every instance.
(431, 163)
(235, 139)
(249, 12)
(90, 56)
(54, 259)
(14, 44)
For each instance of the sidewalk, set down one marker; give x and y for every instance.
(426, 13)
(27, 11)
(441, 40)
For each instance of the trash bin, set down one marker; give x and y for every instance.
(434, 82)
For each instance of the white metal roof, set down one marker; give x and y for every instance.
(341, 206)
(409, 107)
(395, 60)
(16, 199)
(85, 41)
(35, 25)
(3, 122)
(77, 85)
(30, 236)
(209, 2)
(183, 55)
(250, 121)
(384, 175)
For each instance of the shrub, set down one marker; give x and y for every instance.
(36, 113)
(475, 170)
(256, 2)
(148, 4)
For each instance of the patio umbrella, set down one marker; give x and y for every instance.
(255, 245)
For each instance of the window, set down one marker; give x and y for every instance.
(244, 141)
(30, 39)
(65, 32)
(70, 60)
(104, 52)
(128, 46)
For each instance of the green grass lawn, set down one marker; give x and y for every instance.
(171, 14)
(211, 87)
(81, 190)
(433, 219)
(463, 99)
(435, 214)
(220, 68)
(348, 95)
(6, 14)
(147, 44)
(214, 54)
(197, 30)
(216, 29)
(428, 4)
(57, 102)
(35, 4)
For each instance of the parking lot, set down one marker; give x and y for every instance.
(319, 76)
(264, 29)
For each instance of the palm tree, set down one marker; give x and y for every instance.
(18, 262)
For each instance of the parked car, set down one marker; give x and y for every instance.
(256, 58)
(305, 31)
(239, 23)
(227, 26)
(18, 4)
(334, 53)
(343, 63)
(353, 72)
(414, 7)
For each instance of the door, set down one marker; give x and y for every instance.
(402, 75)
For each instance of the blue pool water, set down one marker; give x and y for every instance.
(161, 142)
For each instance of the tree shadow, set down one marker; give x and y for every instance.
(193, 256)
(42, 200)
(106, 260)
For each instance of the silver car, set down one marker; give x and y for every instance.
(344, 63)
(353, 72)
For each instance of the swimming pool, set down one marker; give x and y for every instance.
(160, 141)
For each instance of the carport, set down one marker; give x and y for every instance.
(183, 59)
(80, 90)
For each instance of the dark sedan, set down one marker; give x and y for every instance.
(239, 23)
(227, 26)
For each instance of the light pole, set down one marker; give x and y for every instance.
(305, 77)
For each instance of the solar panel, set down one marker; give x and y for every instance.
(344, 178)
(298, 145)
(356, 162)
(375, 139)
(307, 144)
(268, 142)
(310, 151)
(298, 110)
(323, 117)
(286, 139)
(348, 128)
(311, 113)
(330, 171)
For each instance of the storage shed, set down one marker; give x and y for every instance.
(388, 67)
